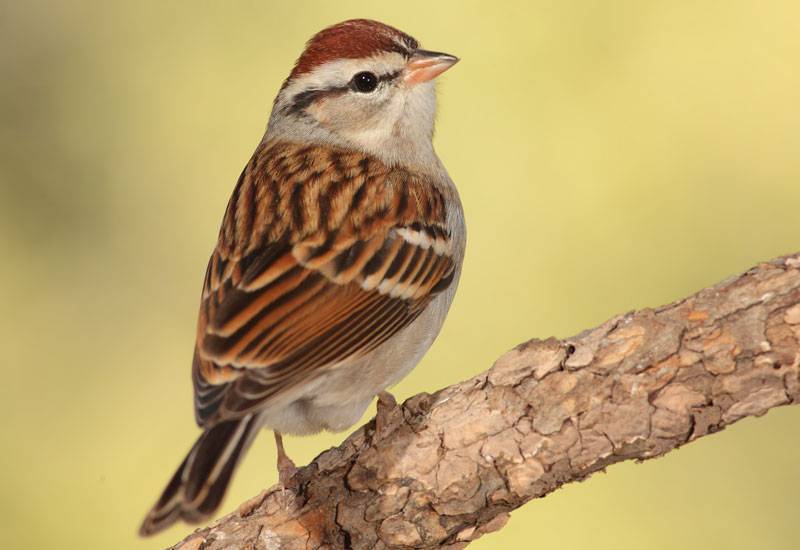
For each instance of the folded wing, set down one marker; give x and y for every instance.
(359, 253)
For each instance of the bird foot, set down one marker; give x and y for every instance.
(386, 404)
(286, 466)
(286, 472)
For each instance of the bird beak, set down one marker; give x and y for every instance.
(425, 66)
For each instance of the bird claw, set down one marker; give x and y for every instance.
(386, 404)
(286, 466)
(286, 471)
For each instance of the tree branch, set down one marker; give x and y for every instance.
(449, 467)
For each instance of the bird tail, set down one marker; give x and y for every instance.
(197, 488)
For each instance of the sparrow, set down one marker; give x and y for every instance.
(336, 262)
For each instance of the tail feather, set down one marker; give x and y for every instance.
(197, 487)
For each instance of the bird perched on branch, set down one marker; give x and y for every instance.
(337, 260)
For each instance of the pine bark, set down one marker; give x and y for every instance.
(449, 467)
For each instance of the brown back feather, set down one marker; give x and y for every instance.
(323, 255)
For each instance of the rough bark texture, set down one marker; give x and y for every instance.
(448, 468)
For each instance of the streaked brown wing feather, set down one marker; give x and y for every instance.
(358, 255)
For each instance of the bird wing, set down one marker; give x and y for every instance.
(323, 255)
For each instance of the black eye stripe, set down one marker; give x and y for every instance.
(302, 100)
(388, 77)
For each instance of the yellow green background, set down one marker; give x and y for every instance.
(611, 155)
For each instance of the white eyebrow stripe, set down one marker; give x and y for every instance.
(334, 74)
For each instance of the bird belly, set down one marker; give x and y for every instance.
(337, 398)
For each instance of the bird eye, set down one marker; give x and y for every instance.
(365, 82)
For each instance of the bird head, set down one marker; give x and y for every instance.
(362, 84)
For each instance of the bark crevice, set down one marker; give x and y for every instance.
(449, 467)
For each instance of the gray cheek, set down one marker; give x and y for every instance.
(355, 111)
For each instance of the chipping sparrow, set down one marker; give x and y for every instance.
(337, 260)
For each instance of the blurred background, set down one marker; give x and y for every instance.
(610, 156)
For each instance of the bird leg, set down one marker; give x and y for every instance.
(386, 404)
(286, 466)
